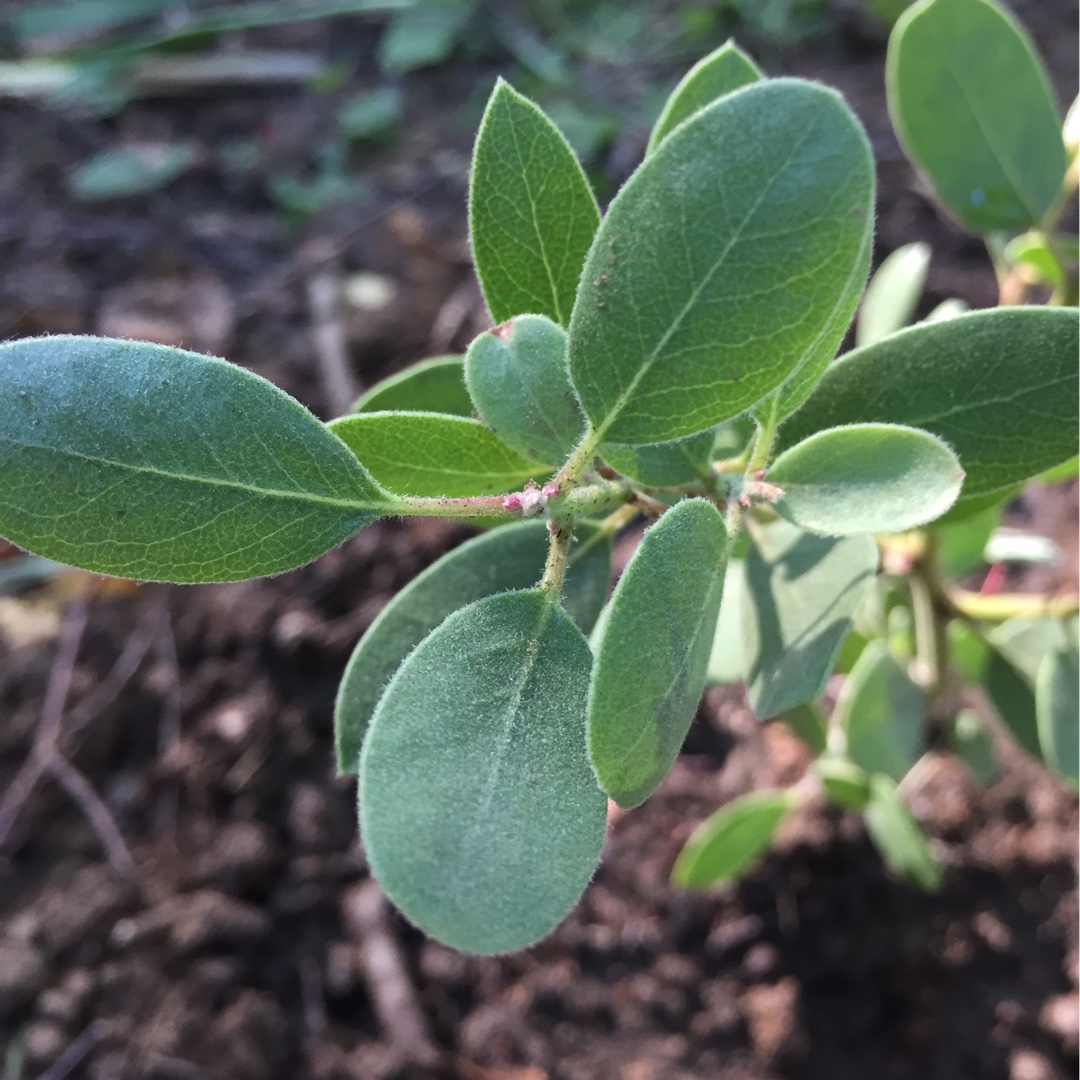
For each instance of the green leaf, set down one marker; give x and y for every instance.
(1057, 708)
(532, 214)
(1025, 640)
(844, 784)
(972, 105)
(866, 478)
(517, 377)
(132, 170)
(436, 385)
(722, 71)
(508, 558)
(893, 293)
(678, 326)
(961, 546)
(1011, 695)
(1032, 252)
(971, 742)
(882, 714)
(727, 844)
(371, 113)
(1000, 387)
(808, 723)
(726, 655)
(802, 592)
(149, 462)
(896, 834)
(651, 660)
(423, 35)
(664, 464)
(948, 309)
(432, 454)
(964, 509)
(480, 815)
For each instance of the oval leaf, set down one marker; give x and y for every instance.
(432, 454)
(897, 836)
(664, 464)
(722, 71)
(517, 377)
(532, 214)
(893, 293)
(436, 385)
(511, 557)
(1057, 708)
(972, 105)
(678, 326)
(155, 463)
(1000, 387)
(881, 713)
(801, 595)
(480, 815)
(651, 660)
(866, 478)
(727, 844)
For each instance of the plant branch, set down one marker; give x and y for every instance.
(558, 550)
(1001, 606)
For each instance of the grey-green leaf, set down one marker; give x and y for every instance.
(866, 478)
(479, 813)
(149, 462)
(882, 714)
(973, 108)
(436, 385)
(722, 263)
(433, 454)
(516, 375)
(726, 654)
(725, 69)
(664, 464)
(801, 594)
(896, 834)
(1000, 387)
(1057, 708)
(651, 660)
(508, 558)
(891, 297)
(532, 214)
(729, 843)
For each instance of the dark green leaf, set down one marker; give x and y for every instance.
(436, 385)
(1000, 387)
(896, 834)
(508, 558)
(1012, 696)
(432, 454)
(844, 784)
(893, 294)
(866, 478)
(972, 743)
(960, 546)
(727, 844)
(480, 815)
(882, 714)
(802, 592)
(532, 214)
(809, 725)
(1057, 707)
(651, 661)
(973, 107)
(517, 377)
(722, 71)
(149, 462)
(676, 326)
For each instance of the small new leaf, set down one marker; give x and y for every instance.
(893, 294)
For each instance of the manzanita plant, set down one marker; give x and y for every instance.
(672, 360)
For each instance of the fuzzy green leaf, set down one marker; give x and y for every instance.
(663, 464)
(651, 661)
(727, 844)
(1000, 387)
(722, 263)
(508, 558)
(881, 713)
(726, 655)
(1057, 709)
(866, 478)
(532, 214)
(973, 108)
(432, 454)
(436, 385)
(517, 377)
(896, 834)
(722, 71)
(801, 595)
(149, 462)
(480, 815)
(893, 294)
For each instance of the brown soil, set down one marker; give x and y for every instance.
(249, 944)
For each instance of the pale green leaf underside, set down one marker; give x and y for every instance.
(532, 214)
(866, 478)
(508, 558)
(436, 385)
(480, 815)
(1000, 387)
(972, 105)
(1057, 708)
(433, 454)
(159, 464)
(727, 844)
(897, 836)
(651, 660)
(801, 594)
(893, 294)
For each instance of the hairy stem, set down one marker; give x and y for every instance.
(474, 506)
(558, 550)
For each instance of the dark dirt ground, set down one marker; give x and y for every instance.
(249, 942)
